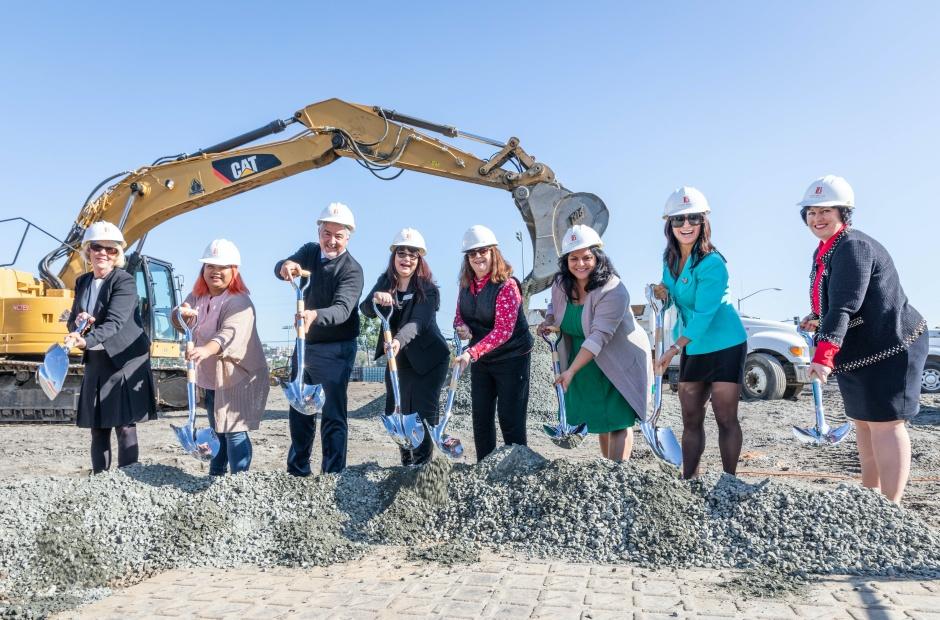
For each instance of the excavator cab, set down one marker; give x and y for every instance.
(157, 296)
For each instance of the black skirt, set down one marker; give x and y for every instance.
(115, 396)
(888, 390)
(723, 365)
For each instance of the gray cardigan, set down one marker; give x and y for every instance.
(621, 349)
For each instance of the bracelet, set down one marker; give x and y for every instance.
(675, 348)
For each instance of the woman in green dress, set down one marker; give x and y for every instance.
(606, 363)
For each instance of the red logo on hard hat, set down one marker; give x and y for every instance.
(818, 190)
(215, 250)
(685, 200)
(574, 237)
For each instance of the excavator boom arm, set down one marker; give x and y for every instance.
(335, 128)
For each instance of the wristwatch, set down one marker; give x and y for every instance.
(675, 348)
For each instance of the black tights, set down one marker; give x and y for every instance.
(101, 447)
(693, 396)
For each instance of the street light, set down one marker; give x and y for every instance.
(740, 299)
(521, 249)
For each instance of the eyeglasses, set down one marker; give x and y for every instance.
(407, 253)
(110, 251)
(477, 252)
(695, 219)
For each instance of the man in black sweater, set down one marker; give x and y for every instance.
(332, 320)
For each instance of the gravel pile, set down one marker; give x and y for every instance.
(67, 541)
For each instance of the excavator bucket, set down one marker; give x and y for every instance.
(548, 211)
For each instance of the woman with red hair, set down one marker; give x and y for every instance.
(230, 364)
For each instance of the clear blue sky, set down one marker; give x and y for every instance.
(747, 101)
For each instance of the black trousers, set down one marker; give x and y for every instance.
(420, 394)
(128, 449)
(499, 389)
(330, 364)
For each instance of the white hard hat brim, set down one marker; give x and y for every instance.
(582, 245)
(481, 244)
(824, 203)
(220, 262)
(420, 249)
(688, 211)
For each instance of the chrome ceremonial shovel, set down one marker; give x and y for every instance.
(55, 365)
(406, 429)
(306, 399)
(662, 441)
(448, 444)
(562, 434)
(202, 444)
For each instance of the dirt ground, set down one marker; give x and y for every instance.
(769, 447)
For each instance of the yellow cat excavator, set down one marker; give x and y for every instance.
(33, 311)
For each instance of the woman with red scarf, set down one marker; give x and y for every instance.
(866, 334)
(490, 314)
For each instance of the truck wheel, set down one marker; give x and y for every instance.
(792, 391)
(930, 383)
(764, 378)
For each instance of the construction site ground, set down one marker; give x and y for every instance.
(387, 583)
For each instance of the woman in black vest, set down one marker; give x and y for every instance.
(490, 314)
(866, 334)
(117, 386)
(420, 349)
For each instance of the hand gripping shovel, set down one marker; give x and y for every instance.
(822, 434)
(406, 429)
(448, 444)
(562, 435)
(203, 444)
(55, 366)
(662, 441)
(305, 399)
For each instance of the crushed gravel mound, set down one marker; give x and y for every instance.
(66, 541)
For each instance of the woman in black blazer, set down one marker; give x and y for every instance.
(867, 334)
(422, 353)
(117, 387)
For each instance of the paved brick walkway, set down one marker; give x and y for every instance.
(386, 586)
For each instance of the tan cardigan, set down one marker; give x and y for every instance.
(241, 370)
(621, 349)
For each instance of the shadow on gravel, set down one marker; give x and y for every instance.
(165, 476)
(928, 416)
(373, 408)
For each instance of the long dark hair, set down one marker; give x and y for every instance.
(422, 279)
(603, 272)
(672, 256)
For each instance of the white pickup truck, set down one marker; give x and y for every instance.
(777, 356)
(931, 381)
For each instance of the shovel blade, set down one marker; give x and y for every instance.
(52, 372)
(448, 444)
(414, 429)
(202, 445)
(306, 399)
(809, 435)
(393, 426)
(663, 443)
(565, 436)
(838, 434)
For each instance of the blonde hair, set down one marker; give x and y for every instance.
(119, 261)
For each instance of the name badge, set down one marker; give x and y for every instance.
(407, 296)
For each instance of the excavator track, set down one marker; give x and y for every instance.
(25, 402)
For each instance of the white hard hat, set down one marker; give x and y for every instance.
(685, 200)
(829, 191)
(338, 213)
(580, 236)
(478, 236)
(221, 252)
(409, 237)
(103, 231)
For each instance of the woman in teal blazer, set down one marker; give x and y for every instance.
(708, 334)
